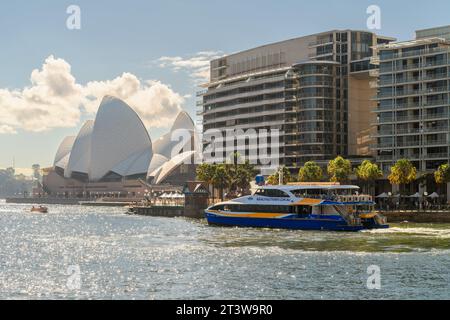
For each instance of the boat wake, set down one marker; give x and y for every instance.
(428, 232)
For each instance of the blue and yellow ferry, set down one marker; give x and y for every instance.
(321, 206)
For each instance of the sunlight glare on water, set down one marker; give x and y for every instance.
(129, 257)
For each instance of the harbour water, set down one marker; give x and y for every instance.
(76, 252)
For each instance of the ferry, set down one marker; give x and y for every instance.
(325, 207)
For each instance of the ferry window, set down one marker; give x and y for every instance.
(271, 193)
(260, 192)
(304, 210)
(264, 208)
(311, 193)
(219, 207)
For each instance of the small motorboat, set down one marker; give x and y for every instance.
(39, 209)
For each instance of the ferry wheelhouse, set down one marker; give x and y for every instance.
(329, 207)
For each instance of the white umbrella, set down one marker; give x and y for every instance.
(434, 195)
(383, 195)
(416, 195)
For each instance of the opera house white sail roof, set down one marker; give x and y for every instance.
(81, 151)
(118, 144)
(118, 135)
(63, 151)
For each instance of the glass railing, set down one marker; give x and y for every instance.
(436, 129)
(385, 133)
(436, 115)
(407, 118)
(437, 156)
(437, 102)
(316, 83)
(413, 92)
(416, 53)
(438, 76)
(384, 157)
(442, 75)
(435, 142)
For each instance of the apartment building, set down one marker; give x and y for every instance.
(316, 90)
(413, 101)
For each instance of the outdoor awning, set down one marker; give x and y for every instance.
(383, 195)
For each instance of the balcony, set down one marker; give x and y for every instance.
(400, 93)
(385, 158)
(437, 76)
(407, 118)
(437, 129)
(384, 133)
(437, 115)
(321, 42)
(383, 146)
(437, 156)
(412, 143)
(436, 142)
(435, 102)
(412, 66)
(306, 142)
(418, 53)
(317, 84)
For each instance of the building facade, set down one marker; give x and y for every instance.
(413, 101)
(314, 90)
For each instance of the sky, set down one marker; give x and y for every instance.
(153, 54)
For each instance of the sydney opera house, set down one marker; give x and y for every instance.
(114, 154)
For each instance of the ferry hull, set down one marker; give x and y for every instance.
(283, 223)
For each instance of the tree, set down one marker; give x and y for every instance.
(368, 172)
(221, 178)
(233, 176)
(240, 174)
(402, 173)
(310, 172)
(442, 174)
(339, 169)
(274, 179)
(205, 172)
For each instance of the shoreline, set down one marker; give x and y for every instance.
(392, 216)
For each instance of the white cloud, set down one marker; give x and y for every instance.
(197, 65)
(55, 100)
(155, 102)
(51, 101)
(4, 129)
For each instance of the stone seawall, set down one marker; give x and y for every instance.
(158, 211)
(418, 217)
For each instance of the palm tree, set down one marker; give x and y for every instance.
(240, 174)
(221, 178)
(442, 174)
(339, 169)
(402, 173)
(368, 172)
(205, 172)
(310, 172)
